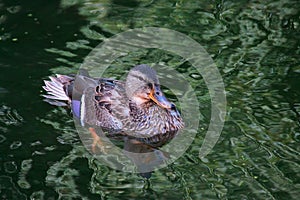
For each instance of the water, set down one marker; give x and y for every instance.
(256, 48)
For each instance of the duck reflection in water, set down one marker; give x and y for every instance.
(135, 110)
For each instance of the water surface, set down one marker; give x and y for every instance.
(254, 44)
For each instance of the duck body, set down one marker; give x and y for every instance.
(136, 107)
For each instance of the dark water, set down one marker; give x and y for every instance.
(256, 46)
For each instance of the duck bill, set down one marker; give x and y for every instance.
(159, 98)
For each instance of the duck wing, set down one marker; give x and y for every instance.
(94, 101)
(105, 105)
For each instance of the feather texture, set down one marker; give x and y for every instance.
(105, 103)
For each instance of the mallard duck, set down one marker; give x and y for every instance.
(136, 107)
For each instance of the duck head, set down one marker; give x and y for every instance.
(142, 86)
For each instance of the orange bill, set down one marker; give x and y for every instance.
(159, 98)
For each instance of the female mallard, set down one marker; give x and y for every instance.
(136, 107)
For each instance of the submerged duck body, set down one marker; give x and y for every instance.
(135, 108)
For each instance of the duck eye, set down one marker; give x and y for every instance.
(150, 85)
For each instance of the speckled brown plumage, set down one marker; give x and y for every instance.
(126, 108)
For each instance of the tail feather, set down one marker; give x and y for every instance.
(56, 90)
(55, 102)
(52, 87)
(64, 79)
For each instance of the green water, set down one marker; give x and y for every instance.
(256, 47)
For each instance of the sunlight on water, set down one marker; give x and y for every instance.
(255, 45)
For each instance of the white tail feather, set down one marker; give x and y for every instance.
(55, 89)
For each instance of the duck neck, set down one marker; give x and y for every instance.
(138, 112)
(154, 116)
